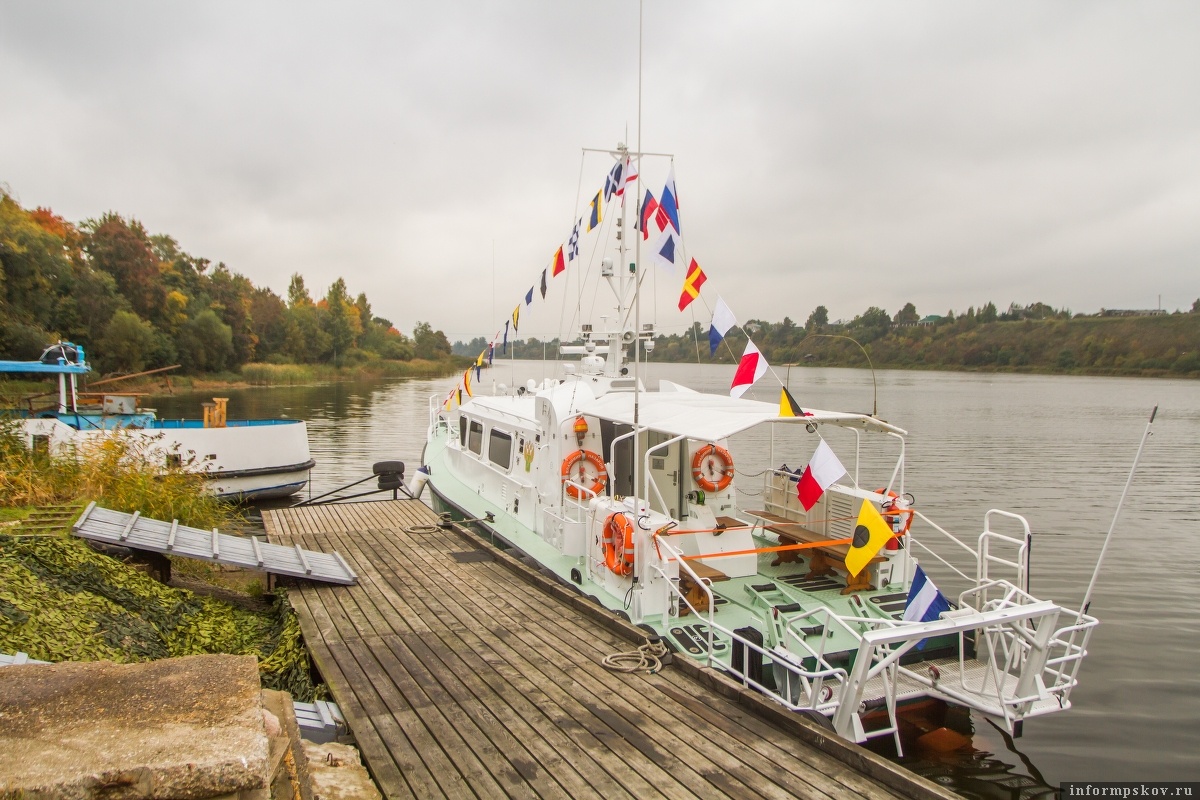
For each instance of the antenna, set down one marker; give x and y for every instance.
(874, 385)
(1087, 597)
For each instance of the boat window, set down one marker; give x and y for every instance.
(500, 448)
(475, 437)
(462, 430)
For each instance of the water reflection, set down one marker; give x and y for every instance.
(1055, 449)
(944, 744)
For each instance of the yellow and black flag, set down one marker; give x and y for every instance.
(788, 407)
(516, 316)
(871, 533)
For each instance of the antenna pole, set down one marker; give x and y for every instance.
(1087, 597)
(637, 284)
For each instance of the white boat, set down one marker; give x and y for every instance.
(635, 495)
(243, 459)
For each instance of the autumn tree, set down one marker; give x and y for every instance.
(428, 343)
(123, 250)
(817, 320)
(127, 343)
(341, 320)
(206, 343)
(906, 315)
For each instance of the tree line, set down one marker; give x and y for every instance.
(138, 301)
(1033, 337)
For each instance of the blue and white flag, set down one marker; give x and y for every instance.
(573, 242)
(722, 321)
(614, 184)
(925, 602)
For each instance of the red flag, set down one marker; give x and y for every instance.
(752, 367)
(559, 265)
(691, 285)
(822, 470)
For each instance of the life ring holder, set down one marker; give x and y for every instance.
(618, 543)
(889, 511)
(719, 453)
(592, 458)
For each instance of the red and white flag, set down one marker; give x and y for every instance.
(752, 367)
(822, 470)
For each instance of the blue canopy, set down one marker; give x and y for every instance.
(37, 366)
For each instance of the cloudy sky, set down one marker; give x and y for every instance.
(845, 154)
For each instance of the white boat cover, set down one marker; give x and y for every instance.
(710, 417)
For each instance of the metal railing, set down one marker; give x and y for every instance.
(786, 665)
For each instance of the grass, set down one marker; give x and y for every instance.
(113, 470)
(296, 374)
(60, 600)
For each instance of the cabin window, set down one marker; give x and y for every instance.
(475, 437)
(500, 448)
(462, 431)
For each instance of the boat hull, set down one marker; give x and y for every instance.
(245, 460)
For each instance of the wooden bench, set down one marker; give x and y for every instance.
(822, 560)
(695, 593)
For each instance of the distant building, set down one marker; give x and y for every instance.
(1132, 312)
(930, 321)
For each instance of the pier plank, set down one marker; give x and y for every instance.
(466, 680)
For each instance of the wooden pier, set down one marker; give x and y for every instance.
(463, 673)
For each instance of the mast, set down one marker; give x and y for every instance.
(637, 286)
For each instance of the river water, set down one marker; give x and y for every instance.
(1055, 449)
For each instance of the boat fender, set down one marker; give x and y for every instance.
(721, 460)
(618, 543)
(418, 482)
(592, 458)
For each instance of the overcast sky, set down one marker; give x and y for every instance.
(844, 154)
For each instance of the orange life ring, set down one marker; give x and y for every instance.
(618, 543)
(592, 458)
(720, 454)
(891, 513)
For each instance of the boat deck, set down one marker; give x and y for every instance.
(461, 675)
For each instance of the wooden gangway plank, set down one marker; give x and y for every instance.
(101, 524)
(465, 678)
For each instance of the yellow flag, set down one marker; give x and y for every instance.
(467, 382)
(788, 407)
(871, 533)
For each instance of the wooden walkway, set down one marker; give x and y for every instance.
(461, 678)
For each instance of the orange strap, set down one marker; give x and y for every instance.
(781, 548)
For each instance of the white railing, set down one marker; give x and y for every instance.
(786, 665)
(990, 541)
(1026, 662)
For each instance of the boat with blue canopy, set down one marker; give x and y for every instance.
(242, 459)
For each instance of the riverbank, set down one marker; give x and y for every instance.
(13, 391)
(63, 600)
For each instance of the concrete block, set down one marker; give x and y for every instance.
(176, 728)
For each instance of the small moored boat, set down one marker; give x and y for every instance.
(243, 459)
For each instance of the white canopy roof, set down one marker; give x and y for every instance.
(710, 417)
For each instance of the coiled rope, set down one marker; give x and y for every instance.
(647, 658)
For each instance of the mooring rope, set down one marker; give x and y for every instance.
(647, 658)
